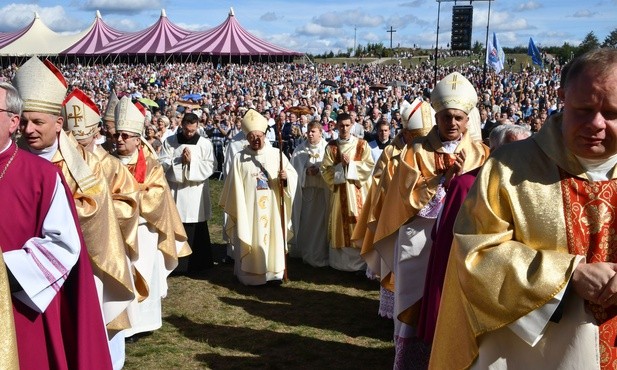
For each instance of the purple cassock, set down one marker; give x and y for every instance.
(438, 261)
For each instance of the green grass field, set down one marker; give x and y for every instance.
(321, 319)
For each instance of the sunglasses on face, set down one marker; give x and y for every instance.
(124, 136)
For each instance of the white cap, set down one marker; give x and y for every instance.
(419, 115)
(129, 117)
(81, 115)
(253, 121)
(41, 86)
(111, 107)
(454, 92)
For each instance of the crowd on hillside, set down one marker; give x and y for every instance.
(219, 94)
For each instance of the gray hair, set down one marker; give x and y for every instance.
(504, 134)
(14, 102)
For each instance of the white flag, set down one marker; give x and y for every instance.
(495, 57)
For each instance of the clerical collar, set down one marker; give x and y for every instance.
(47, 153)
(7, 147)
(598, 169)
(344, 140)
(381, 145)
(100, 140)
(450, 146)
(183, 140)
(314, 146)
(126, 159)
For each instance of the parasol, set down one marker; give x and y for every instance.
(377, 87)
(191, 97)
(148, 102)
(329, 83)
(299, 110)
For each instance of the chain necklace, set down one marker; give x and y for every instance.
(6, 167)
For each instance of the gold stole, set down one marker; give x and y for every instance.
(591, 224)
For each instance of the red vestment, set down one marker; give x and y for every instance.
(70, 333)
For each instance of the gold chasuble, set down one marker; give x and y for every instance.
(348, 195)
(99, 225)
(157, 207)
(8, 341)
(531, 210)
(364, 232)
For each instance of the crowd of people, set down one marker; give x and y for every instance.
(114, 164)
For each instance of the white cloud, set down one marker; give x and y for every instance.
(16, 16)
(122, 6)
(404, 20)
(530, 5)
(193, 26)
(585, 13)
(269, 17)
(314, 29)
(415, 3)
(354, 17)
(126, 25)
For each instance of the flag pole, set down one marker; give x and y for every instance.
(488, 22)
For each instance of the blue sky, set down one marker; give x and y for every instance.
(316, 26)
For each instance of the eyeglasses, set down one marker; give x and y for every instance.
(124, 136)
(5, 110)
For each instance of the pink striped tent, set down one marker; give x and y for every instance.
(100, 35)
(7, 38)
(229, 38)
(157, 39)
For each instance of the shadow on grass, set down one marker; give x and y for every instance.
(298, 271)
(266, 349)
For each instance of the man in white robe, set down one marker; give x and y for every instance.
(257, 197)
(310, 216)
(188, 163)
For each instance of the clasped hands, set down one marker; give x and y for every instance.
(596, 282)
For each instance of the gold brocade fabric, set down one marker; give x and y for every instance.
(157, 207)
(364, 232)
(347, 199)
(124, 192)
(510, 251)
(8, 341)
(97, 219)
(591, 224)
(416, 179)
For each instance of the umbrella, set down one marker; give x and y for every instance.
(377, 87)
(189, 104)
(148, 102)
(299, 110)
(329, 83)
(191, 97)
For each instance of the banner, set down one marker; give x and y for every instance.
(495, 57)
(534, 53)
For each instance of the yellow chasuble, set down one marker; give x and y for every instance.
(513, 247)
(124, 192)
(83, 174)
(8, 341)
(157, 207)
(364, 232)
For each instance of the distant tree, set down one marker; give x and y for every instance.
(611, 40)
(478, 48)
(565, 53)
(590, 42)
(330, 54)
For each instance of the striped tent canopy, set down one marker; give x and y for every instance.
(157, 39)
(100, 35)
(8, 37)
(229, 38)
(38, 39)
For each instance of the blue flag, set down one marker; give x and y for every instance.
(534, 53)
(495, 57)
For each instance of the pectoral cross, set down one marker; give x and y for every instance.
(76, 115)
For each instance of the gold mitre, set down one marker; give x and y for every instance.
(81, 115)
(253, 121)
(41, 86)
(474, 125)
(128, 117)
(111, 107)
(454, 92)
(418, 116)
